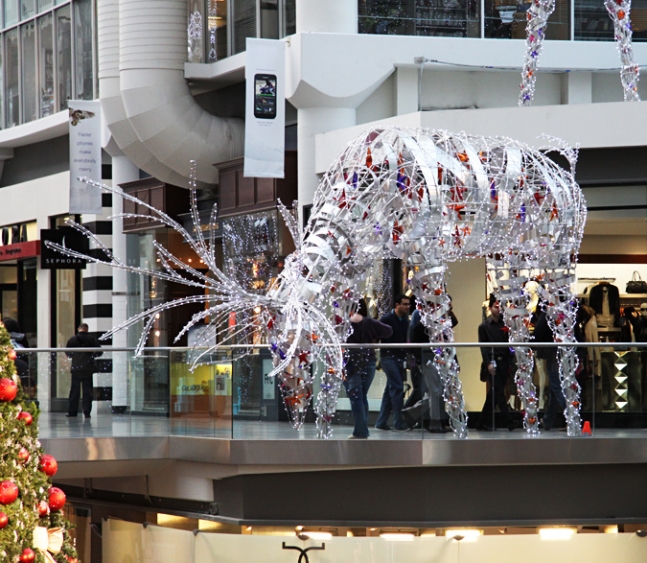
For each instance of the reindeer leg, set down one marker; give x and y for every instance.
(560, 313)
(428, 285)
(510, 277)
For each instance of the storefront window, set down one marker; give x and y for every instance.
(44, 5)
(64, 55)
(244, 23)
(65, 287)
(29, 98)
(438, 18)
(83, 52)
(9, 291)
(46, 65)
(217, 40)
(12, 85)
(592, 22)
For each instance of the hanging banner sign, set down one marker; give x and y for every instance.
(265, 109)
(85, 155)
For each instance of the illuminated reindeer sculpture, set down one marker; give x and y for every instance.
(428, 198)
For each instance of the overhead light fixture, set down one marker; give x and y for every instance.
(553, 534)
(317, 535)
(397, 536)
(467, 534)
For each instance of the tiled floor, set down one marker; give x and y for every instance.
(56, 425)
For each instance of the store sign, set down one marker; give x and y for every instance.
(19, 250)
(265, 109)
(85, 155)
(67, 237)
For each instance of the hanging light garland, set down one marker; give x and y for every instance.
(619, 11)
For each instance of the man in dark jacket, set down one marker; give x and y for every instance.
(556, 400)
(81, 370)
(392, 360)
(496, 362)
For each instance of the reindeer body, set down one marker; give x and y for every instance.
(429, 198)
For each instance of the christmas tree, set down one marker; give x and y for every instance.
(32, 526)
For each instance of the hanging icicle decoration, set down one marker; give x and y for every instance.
(619, 11)
(537, 14)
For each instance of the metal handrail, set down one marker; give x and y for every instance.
(377, 346)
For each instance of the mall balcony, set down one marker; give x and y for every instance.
(215, 444)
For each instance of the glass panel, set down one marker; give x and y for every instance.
(195, 31)
(83, 51)
(201, 399)
(12, 85)
(10, 12)
(225, 388)
(64, 56)
(44, 5)
(438, 18)
(29, 88)
(508, 21)
(290, 17)
(269, 19)
(217, 30)
(27, 8)
(244, 22)
(46, 64)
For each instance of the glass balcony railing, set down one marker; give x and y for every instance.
(230, 395)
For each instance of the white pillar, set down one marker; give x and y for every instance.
(326, 16)
(311, 122)
(320, 16)
(123, 170)
(577, 88)
(406, 90)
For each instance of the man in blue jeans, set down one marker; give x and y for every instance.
(392, 360)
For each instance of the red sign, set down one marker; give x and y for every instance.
(20, 250)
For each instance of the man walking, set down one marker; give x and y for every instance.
(82, 370)
(392, 360)
(497, 361)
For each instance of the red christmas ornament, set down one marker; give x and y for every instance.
(56, 499)
(4, 520)
(8, 389)
(8, 492)
(11, 354)
(48, 465)
(28, 556)
(27, 417)
(23, 455)
(43, 509)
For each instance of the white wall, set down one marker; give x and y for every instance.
(125, 542)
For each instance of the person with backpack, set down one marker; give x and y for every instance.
(82, 369)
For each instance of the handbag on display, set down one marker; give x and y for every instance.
(636, 284)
